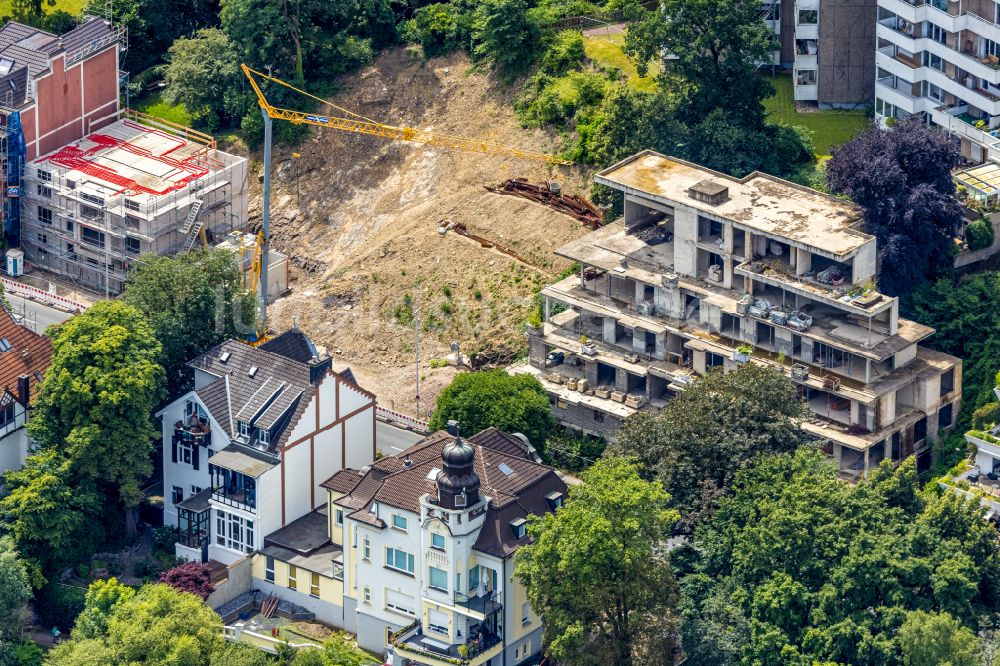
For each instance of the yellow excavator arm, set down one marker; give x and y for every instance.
(364, 125)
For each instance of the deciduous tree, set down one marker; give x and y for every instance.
(103, 596)
(597, 573)
(901, 178)
(159, 626)
(506, 33)
(203, 73)
(512, 403)
(95, 405)
(800, 564)
(192, 577)
(704, 436)
(718, 45)
(193, 301)
(15, 590)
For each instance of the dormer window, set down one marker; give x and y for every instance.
(520, 528)
(244, 429)
(264, 437)
(555, 500)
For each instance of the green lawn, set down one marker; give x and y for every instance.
(830, 128)
(74, 7)
(606, 51)
(155, 106)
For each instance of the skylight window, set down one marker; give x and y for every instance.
(5, 66)
(5, 345)
(432, 475)
(505, 468)
(225, 357)
(252, 371)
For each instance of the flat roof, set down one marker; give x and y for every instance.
(759, 201)
(128, 158)
(239, 461)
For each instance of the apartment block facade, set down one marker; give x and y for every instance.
(707, 271)
(245, 451)
(827, 46)
(940, 59)
(139, 185)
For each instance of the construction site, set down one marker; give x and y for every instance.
(388, 240)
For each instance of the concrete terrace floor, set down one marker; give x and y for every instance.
(830, 128)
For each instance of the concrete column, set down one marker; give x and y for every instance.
(803, 260)
(727, 238)
(783, 340)
(590, 370)
(661, 346)
(621, 380)
(609, 330)
(548, 308)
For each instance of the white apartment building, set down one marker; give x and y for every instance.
(708, 271)
(941, 59)
(137, 185)
(247, 449)
(414, 553)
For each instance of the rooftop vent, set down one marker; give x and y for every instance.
(709, 191)
(225, 357)
(252, 371)
(5, 345)
(407, 462)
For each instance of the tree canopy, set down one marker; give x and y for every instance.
(901, 178)
(717, 46)
(15, 590)
(494, 398)
(192, 577)
(596, 570)
(96, 403)
(158, 626)
(193, 301)
(203, 73)
(697, 443)
(799, 567)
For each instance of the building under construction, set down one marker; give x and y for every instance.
(90, 186)
(139, 185)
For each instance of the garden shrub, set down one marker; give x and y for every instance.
(58, 605)
(564, 53)
(986, 415)
(979, 234)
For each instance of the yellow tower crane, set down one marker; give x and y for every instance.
(349, 122)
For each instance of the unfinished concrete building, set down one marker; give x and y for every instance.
(138, 185)
(707, 271)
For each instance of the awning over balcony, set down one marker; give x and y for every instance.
(243, 462)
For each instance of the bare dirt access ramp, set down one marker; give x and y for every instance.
(365, 232)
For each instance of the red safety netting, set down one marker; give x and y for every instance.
(73, 157)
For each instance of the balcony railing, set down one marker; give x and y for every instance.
(239, 498)
(198, 433)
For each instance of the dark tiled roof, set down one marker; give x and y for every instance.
(293, 344)
(29, 353)
(239, 396)
(84, 34)
(516, 485)
(343, 481)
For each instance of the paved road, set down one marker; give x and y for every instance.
(37, 316)
(391, 439)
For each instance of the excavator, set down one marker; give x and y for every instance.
(347, 121)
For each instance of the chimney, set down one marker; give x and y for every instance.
(23, 390)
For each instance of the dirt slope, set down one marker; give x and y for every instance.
(364, 233)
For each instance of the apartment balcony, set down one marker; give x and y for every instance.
(194, 431)
(232, 488)
(958, 121)
(970, 482)
(419, 648)
(478, 606)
